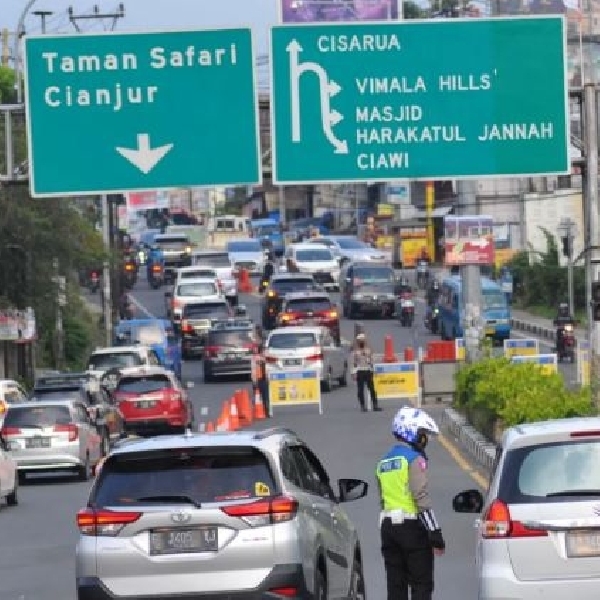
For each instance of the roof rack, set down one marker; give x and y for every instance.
(274, 431)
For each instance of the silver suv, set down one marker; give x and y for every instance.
(247, 514)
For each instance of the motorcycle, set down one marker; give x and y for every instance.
(264, 284)
(422, 273)
(157, 277)
(129, 275)
(126, 311)
(432, 320)
(94, 283)
(565, 343)
(407, 310)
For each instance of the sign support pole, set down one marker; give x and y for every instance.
(106, 271)
(471, 278)
(592, 233)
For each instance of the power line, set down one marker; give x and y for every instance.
(96, 15)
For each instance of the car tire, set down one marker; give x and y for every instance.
(13, 498)
(327, 383)
(234, 301)
(320, 592)
(357, 581)
(352, 312)
(84, 472)
(208, 376)
(22, 477)
(343, 380)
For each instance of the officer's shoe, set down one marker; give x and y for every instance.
(377, 409)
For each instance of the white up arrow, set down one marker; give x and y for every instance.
(144, 157)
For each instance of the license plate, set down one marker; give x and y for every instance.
(145, 404)
(183, 541)
(582, 544)
(231, 356)
(292, 362)
(490, 330)
(37, 442)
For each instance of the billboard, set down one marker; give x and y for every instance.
(322, 11)
(17, 325)
(469, 240)
(147, 200)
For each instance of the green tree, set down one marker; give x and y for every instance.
(7, 85)
(411, 10)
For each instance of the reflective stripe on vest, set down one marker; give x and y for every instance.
(393, 474)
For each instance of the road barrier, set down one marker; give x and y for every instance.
(583, 364)
(548, 362)
(520, 347)
(397, 381)
(296, 387)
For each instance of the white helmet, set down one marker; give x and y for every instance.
(413, 425)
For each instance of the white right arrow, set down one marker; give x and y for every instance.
(335, 117)
(144, 157)
(333, 88)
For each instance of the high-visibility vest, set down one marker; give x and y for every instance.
(393, 474)
(258, 367)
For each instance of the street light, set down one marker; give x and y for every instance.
(42, 14)
(567, 231)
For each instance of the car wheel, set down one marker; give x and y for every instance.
(22, 477)
(328, 381)
(13, 498)
(357, 581)
(352, 313)
(84, 472)
(343, 380)
(320, 592)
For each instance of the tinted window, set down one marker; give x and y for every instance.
(218, 309)
(58, 394)
(493, 299)
(144, 385)
(245, 246)
(173, 242)
(205, 475)
(197, 289)
(236, 339)
(308, 304)
(285, 286)
(534, 474)
(316, 254)
(350, 244)
(110, 360)
(36, 416)
(289, 341)
(373, 275)
(197, 273)
(218, 259)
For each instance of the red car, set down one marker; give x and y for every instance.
(152, 400)
(310, 308)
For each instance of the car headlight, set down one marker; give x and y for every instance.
(568, 327)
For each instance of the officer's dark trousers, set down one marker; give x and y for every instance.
(408, 559)
(365, 379)
(263, 388)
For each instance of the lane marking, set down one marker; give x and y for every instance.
(141, 307)
(204, 411)
(462, 463)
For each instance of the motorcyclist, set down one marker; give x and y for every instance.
(268, 269)
(433, 293)
(125, 307)
(563, 318)
(155, 257)
(404, 286)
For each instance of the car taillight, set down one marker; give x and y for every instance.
(176, 303)
(186, 327)
(331, 314)
(270, 359)
(590, 433)
(174, 397)
(129, 267)
(94, 275)
(264, 512)
(8, 431)
(212, 351)
(285, 592)
(318, 356)
(104, 522)
(156, 268)
(70, 428)
(497, 523)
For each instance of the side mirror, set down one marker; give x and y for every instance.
(168, 294)
(189, 385)
(352, 489)
(469, 501)
(240, 311)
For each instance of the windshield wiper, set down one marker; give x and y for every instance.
(167, 498)
(568, 493)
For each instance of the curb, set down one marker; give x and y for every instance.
(481, 450)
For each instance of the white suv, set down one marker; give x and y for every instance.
(316, 259)
(104, 361)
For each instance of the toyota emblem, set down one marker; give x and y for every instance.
(181, 517)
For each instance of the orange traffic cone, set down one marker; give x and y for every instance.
(259, 407)
(409, 354)
(244, 407)
(234, 417)
(245, 283)
(210, 428)
(224, 418)
(388, 351)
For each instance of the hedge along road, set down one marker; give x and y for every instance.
(42, 534)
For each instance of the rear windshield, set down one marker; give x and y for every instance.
(58, 394)
(196, 273)
(144, 385)
(374, 275)
(314, 254)
(234, 339)
(220, 259)
(206, 309)
(308, 305)
(245, 246)
(173, 242)
(197, 289)
(111, 360)
(35, 416)
(204, 475)
(550, 472)
(286, 286)
(290, 341)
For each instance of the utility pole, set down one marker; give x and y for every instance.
(96, 14)
(567, 232)
(42, 14)
(61, 301)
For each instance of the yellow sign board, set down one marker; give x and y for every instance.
(460, 350)
(584, 374)
(396, 380)
(520, 347)
(548, 362)
(294, 388)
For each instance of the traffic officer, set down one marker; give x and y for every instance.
(410, 533)
(259, 372)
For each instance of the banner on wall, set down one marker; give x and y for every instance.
(321, 11)
(148, 200)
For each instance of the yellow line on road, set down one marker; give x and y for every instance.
(461, 462)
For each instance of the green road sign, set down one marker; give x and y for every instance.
(437, 99)
(135, 111)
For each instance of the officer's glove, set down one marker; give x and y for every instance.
(436, 540)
